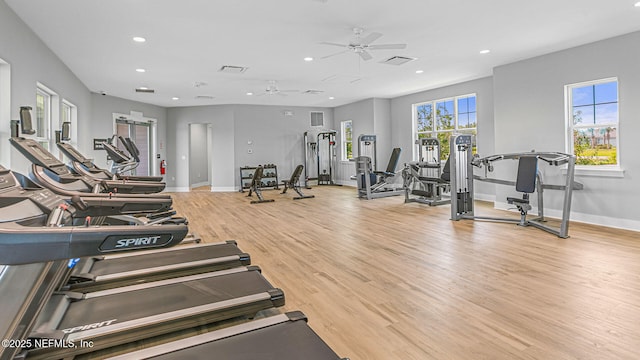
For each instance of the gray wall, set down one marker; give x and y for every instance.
(31, 61)
(361, 114)
(530, 113)
(275, 138)
(223, 167)
(402, 126)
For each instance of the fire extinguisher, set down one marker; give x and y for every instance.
(163, 167)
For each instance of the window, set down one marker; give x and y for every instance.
(347, 140)
(592, 134)
(45, 110)
(442, 118)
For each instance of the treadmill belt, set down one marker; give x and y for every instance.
(162, 299)
(288, 340)
(124, 264)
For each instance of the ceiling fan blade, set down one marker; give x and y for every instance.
(333, 44)
(338, 53)
(370, 38)
(279, 93)
(288, 91)
(387, 46)
(365, 55)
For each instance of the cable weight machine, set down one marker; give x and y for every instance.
(320, 157)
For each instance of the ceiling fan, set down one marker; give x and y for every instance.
(272, 89)
(361, 46)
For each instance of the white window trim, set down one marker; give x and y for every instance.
(433, 103)
(53, 113)
(615, 171)
(343, 156)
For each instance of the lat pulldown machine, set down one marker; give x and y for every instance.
(529, 180)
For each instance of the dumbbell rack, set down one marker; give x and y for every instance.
(269, 177)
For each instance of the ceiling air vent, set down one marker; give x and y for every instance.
(229, 69)
(317, 118)
(204, 97)
(312, 92)
(397, 60)
(145, 90)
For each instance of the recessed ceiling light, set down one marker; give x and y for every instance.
(308, 58)
(486, 51)
(637, 4)
(139, 39)
(175, 98)
(249, 93)
(419, 71)
(331, 98)
(141, 70)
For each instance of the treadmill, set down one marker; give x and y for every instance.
(285, 336)
(107, 271)
(48, 169)
(35, 250)
(85, 166)
(114, 316)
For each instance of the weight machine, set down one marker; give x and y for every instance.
(320, 155)
(374, 184)
(425, 181)
(529, 180)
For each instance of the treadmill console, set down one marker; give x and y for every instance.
(39, 155)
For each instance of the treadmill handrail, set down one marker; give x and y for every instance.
(22, 244)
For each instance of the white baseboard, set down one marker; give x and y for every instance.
(200, 184)
(625, 224)
(224, 189)
(177, 189)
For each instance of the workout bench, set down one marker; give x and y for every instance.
(294, 183)
(256, 183)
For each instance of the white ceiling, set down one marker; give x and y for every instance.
(189, 40)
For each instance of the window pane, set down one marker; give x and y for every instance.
(425, 135)
(582, 95)
(40, 114)
(583, 115)
(463, 105)
(444, 115)
(349, 150)
(607, 92)
(473, 122)
(463, 120)
(347, 131)
(472, 104)
(425, 117)
(443, 138)
(606, 113)
(596, 146)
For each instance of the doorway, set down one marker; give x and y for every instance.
(200, 148)
(142, 132)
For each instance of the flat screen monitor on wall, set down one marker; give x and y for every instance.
(25, 120)
(66, 131)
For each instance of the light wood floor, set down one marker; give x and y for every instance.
(381, 279)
